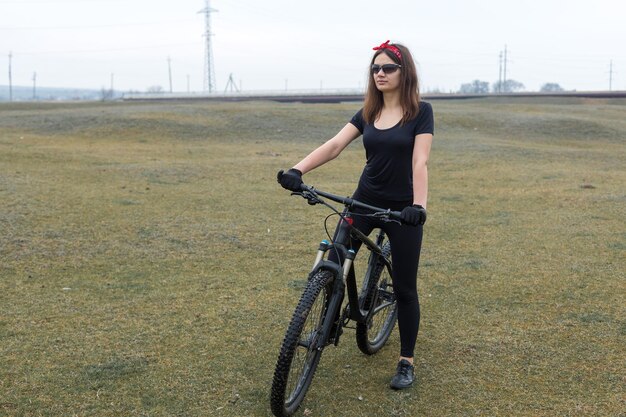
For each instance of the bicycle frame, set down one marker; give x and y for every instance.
(341, 269)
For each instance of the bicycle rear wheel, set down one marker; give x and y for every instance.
(378, 298)
(301, 348)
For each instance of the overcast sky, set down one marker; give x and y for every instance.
(278, 44)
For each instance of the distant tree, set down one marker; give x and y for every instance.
(551, 88)
(155, 89)
(106, 94)
(475, 87)
(507, 87)
(435, 90)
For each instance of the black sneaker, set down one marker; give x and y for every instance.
(404, 375)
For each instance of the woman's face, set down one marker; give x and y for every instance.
(386, 82)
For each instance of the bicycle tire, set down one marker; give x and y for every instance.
(377, 294)
(289, 388)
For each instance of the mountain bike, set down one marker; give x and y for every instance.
(318, 319)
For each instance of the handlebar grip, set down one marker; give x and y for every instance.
(396, 215)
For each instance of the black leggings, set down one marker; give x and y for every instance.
(406, 243)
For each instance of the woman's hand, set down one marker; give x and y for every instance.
(290, 180)
(414, 215)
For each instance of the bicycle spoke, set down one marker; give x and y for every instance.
(378, 297)
(306, 348)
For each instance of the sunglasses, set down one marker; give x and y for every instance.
(387, 68)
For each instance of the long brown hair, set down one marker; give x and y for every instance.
(409, 87)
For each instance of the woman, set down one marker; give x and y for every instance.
(397, 131)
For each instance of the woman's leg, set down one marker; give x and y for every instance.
(406, 242)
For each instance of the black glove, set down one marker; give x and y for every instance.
(414, 215)
(290, 180)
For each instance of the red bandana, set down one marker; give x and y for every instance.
(392, 48)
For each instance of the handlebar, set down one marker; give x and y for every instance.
(312, 195)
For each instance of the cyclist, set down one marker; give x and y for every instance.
(397, 129)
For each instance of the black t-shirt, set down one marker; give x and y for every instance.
(388, 173)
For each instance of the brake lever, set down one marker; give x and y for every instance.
(310, 197)
(385, 216)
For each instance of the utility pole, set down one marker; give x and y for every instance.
(34, 86)
(10, 79)
(504, 80)
(209, 68)
(188, 90)
(500, 73)
(112, 78)
(231, 84)
(611, 76)
(169, 69)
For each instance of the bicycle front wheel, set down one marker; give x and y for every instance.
(301, 349)
(379, 300)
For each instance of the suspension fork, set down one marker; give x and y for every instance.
(337, 292)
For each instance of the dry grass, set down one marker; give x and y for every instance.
(150, 262)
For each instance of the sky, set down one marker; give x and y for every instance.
(323, 44)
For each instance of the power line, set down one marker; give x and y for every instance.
(111, 25)
(22, 2)
(130, 48)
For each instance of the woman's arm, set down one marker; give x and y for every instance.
(421, 151)
(329, 150)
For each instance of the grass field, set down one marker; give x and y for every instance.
(149, 262)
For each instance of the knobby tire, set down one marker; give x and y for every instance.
(291, 383)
